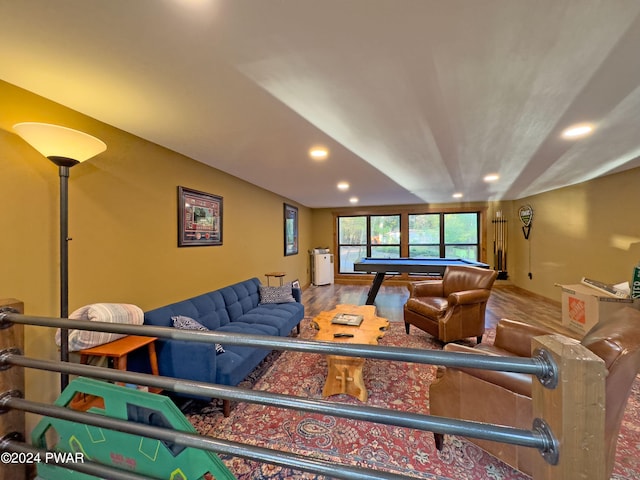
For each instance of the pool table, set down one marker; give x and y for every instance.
(427, 266)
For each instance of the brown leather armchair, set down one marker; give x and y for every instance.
(505, 398)
(452, 308)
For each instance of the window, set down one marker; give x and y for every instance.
(424, 235)
(461, 235)
(385, 236)
(438, 234)
(445, 235)
(352, 241)
(367, 236)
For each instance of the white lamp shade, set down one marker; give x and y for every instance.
(57, 141)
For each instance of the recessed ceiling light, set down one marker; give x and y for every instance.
(492, 177)
(343, 186)
(457, 195)
(577, 131)
(318, 153)
(354, 200)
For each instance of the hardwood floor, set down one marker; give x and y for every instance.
(506, 301)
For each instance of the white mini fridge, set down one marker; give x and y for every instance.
(322, 268)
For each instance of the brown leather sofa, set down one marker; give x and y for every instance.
(505, 398)
(452, 308)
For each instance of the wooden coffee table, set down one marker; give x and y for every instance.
(345, 373)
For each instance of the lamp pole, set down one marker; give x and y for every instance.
(64, 164)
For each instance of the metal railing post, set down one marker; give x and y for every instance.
(574, 410)
(12, 379)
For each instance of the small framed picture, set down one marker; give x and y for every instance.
(290, 230)
(295, 283)
(199, 218)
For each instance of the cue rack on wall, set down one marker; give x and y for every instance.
(500, 245)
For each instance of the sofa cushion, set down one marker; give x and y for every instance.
(187, 323)
(241, 297)
(212, 310)
(207, 309)
(240, 360)
(249, 328)
(283, 316)
(282, 294)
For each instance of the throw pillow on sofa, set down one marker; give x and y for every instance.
(281, 294)
(101, 312)
(187, 323)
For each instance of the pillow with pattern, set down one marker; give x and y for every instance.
(281, 294)
(187, 323)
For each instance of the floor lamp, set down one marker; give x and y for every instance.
(64, 147)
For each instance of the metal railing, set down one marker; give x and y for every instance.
(540, 437)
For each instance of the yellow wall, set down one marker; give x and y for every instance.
(586, 230)
(123, 222)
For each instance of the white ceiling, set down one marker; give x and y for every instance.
(415, 99)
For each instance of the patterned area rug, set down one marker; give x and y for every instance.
(394, 385)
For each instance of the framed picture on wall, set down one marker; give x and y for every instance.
(290, 230)
(199, 218)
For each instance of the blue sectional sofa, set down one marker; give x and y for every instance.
(236, 308)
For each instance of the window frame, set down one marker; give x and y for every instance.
(480, 211)
(368, 245)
